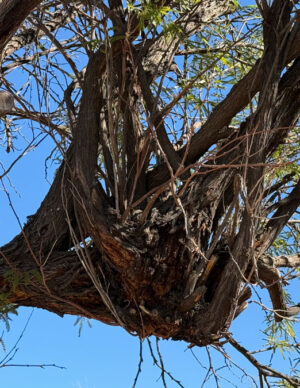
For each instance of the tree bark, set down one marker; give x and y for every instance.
(12, 14)
(155, 256)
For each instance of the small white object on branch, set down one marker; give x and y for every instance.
(6, 102)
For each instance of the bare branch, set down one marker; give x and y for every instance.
(264, 370)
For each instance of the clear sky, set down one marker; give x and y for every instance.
(103, 356)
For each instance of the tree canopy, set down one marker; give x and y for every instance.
(175, 136)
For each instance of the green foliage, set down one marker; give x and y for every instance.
(235, 3)
(153, 15)
(283, 383)
(80, 321)
(171, 30)
(149, 13)
(222, 54)
(5, 311)
(13, 280)
(287, 243)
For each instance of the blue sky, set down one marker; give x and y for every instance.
(102, 357)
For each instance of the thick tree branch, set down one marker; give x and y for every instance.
(285, 261)
(58, 284)
(274, 226)
(12, 14)
(29, 35)
(160, 52)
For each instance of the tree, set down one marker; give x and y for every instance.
(174, 196)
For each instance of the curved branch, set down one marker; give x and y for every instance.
(272, 278)
(264, 370)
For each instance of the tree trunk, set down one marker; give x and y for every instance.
(143, 251)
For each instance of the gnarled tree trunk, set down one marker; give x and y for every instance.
(165, 250)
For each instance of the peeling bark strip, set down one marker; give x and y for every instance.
(137, 230)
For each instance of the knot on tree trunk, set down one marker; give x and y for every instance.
(6, 102)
